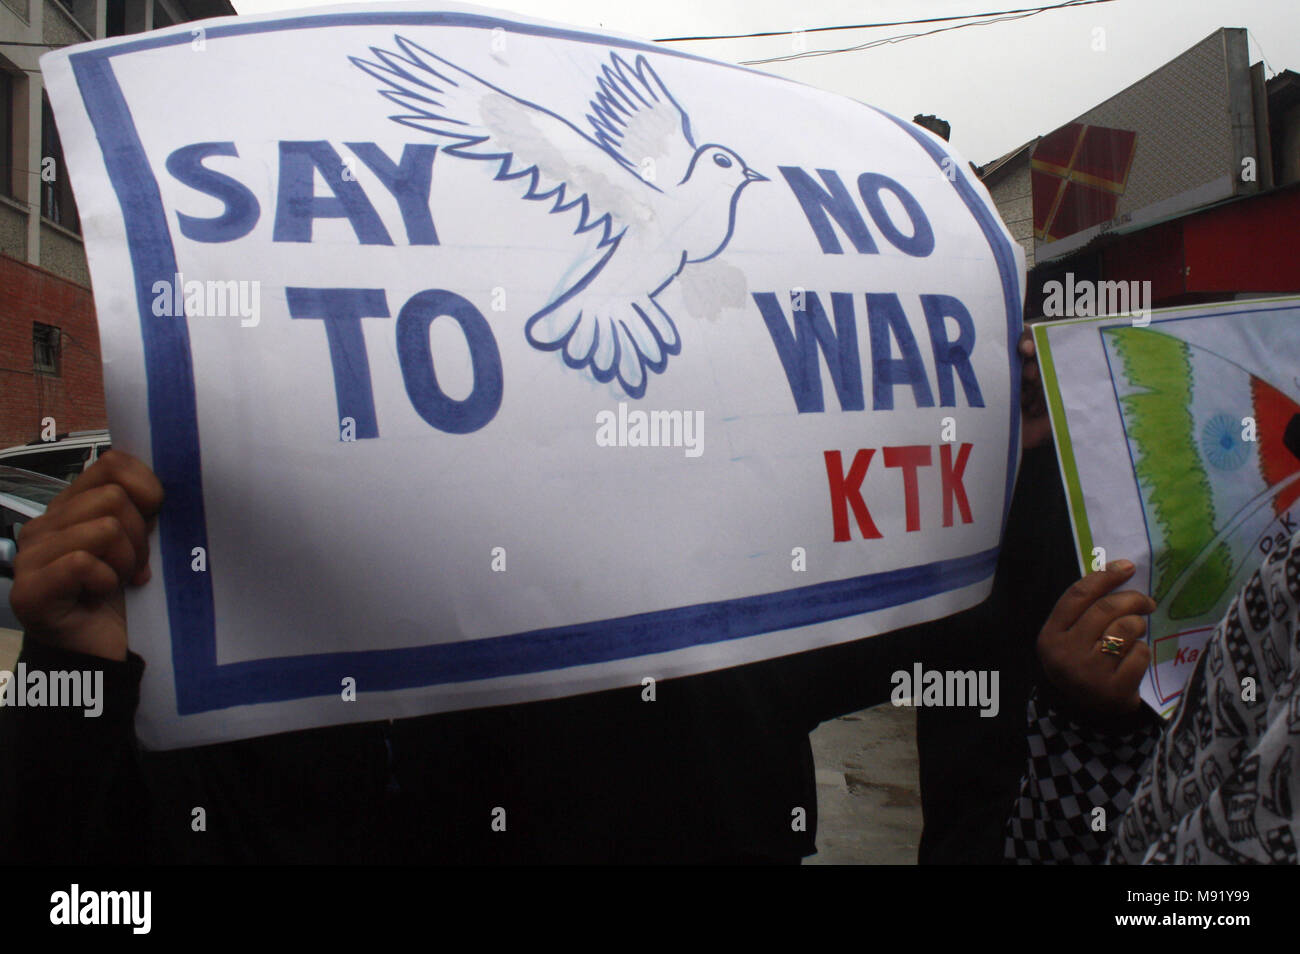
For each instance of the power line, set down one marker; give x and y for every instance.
(772, 33)
(871, 26)
(912, 36)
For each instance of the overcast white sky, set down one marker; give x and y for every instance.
(998, 85)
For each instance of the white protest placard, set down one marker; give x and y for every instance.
(1178, 436)
(486, 360)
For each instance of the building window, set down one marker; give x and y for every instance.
(6, 134)
(46, 351)
(56, 190)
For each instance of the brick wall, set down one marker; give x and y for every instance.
(75, 397)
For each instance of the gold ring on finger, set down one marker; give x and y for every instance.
(1111, 645)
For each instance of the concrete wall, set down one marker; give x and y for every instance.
(21, 7)
(13, 231)
(61, 27)
(63, 254)
(1011, 194)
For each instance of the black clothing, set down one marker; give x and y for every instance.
(710, 771)
(971, 765)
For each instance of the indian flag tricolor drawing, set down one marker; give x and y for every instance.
(1210, 449)
(1216, 451)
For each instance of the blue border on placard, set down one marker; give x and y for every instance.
(201, 684)
(1006, 260)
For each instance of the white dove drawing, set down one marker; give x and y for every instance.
(660, 201)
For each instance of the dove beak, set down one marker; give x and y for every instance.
(753, 176)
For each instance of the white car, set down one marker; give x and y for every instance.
(63, 458)
(23, 495)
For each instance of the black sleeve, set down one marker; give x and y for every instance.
(72, 791)
(970, 765)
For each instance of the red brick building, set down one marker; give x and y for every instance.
(49, 354)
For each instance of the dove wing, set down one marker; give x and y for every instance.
(529, 142)
(637, 120)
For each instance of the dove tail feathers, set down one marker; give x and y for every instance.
(614, 337)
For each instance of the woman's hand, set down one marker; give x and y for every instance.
(1091, 647)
